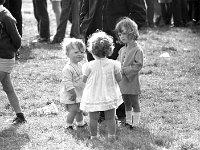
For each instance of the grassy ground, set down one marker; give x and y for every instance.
(169, 101)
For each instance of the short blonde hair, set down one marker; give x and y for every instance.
(100, 44)
(73, 43)
(130, 26)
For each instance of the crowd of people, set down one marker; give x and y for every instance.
(106, 86)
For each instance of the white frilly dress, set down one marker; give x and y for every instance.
(101, 90)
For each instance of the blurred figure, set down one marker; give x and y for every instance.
(150, 13)
(14, 6)
(180, 13)
(42, 17)
(56, 6)
(67, 6)
(193, 11)
(166, 10)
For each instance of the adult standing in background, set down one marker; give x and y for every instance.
(103, 15)
(42, 17)
(166, 10)
(14, 6)
(56, 6)
(150, 12)
(180, 13)
(67, 6)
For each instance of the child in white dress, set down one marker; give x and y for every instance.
(102, 75)
(72, 84)
(131, 58)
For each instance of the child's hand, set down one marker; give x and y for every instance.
(73, 94)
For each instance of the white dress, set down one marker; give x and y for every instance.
(72, 79)
(101, 90)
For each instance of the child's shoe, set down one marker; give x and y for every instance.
(129, 126)
(20, 119)
(69, 128)
(82, 126)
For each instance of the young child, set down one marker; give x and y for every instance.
(10, 42)
(72, 84)
(131, 58)
(101, 75)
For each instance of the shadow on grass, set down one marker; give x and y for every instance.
(25, 52)
(10, 139)
(138, 138)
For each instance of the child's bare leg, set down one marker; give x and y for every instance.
(110, 120)
(72, 111)
(136, 110)
(79, 118)
(128, 107)
(94, 116)
(8, 88)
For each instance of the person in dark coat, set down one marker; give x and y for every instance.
(103, 15)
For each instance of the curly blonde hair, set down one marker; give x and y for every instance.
(73, 43)
(130, 26)
(100, 44)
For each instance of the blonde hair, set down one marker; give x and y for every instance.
(130, 26)
(73, 43)
(100, 44)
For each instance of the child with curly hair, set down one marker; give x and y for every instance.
(72, 84)
(131, 58)
(101, 75)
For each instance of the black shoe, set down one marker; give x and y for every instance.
(129, 126)
(55, 41)
(43, 40)
(19, 120)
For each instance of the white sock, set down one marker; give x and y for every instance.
(80, 123)
(129, 117)
(136, 118)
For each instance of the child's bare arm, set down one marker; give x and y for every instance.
(118, 77)
(85, 79)
(72, 94)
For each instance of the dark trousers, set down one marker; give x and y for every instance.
(150, 12)
(180, 13)
(166, 10)
(42, 17)
(14, 6)
(68, 6)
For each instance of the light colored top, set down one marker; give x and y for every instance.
(132, 62)
(101, 90)
(72, 79)
(6, 65)
(164, 1)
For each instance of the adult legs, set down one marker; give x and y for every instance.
(75, 29)
(177, 12)
(56, 6)
(150, 12)
(61, 29)
(42, 13)
(15, 9)
(169, 13)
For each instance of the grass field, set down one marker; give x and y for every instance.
(170, 99)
